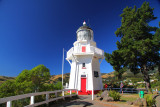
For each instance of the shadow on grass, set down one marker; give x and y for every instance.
(123, 101)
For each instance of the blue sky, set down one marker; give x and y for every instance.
(34, 32)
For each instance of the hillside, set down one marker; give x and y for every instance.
(105, 76)
(5, 78)
(55, 78)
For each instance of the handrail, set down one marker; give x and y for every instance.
(124, 89)
(31, 95)
(89, 50)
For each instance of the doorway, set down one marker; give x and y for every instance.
(83, 84)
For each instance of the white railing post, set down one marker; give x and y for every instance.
(62, 93)
(32, 100)
(70, 92)
(77, 92)
(9, 103)
(92, 94)
(47, 96)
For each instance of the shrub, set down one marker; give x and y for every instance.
(158, 87)
(99, 93)
(150, 100)
(74, 93)
(115, 95)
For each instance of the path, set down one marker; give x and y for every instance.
(158, 101)
(85, 101)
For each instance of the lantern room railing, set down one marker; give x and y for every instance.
(77, 50)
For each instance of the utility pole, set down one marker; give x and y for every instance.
(62, 71)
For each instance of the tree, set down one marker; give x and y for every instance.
(39, 75)
(138, 48)
(27, 81)
(58, 85)
(32, 80)
(7, 89)
(23, 83)
(117, 62)
(157, 43)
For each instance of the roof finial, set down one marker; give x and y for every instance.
(84, 23)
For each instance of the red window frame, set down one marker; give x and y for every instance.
(83, 48)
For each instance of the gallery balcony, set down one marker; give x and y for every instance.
(89, 51)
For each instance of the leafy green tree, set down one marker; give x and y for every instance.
(7, 88)
(138, 49)
(27, 81)
(47, 87)
(58, 85)
(39, 75)
(157, 43)
(32, 80)
(23, 83)
(116, 61)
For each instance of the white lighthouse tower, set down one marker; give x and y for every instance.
(85, 58)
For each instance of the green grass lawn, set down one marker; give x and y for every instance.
(129, 97)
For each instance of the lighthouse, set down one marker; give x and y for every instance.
(85, 59)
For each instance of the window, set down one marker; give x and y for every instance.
(96, 74)
(83, 75)
(83, 49)
(83, 66)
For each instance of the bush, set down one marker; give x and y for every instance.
(150, 100)
(99, 93)
(58, 86)
(159, 88)
(155, 84)
(115, 95)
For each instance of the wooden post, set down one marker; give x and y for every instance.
(62, 93)
(47, 97)
(92, 94)
(9, 103)
(32, 100)
(56, 94)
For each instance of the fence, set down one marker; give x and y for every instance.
(125, 90)
(8, 100)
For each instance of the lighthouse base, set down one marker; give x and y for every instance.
(89, 92)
